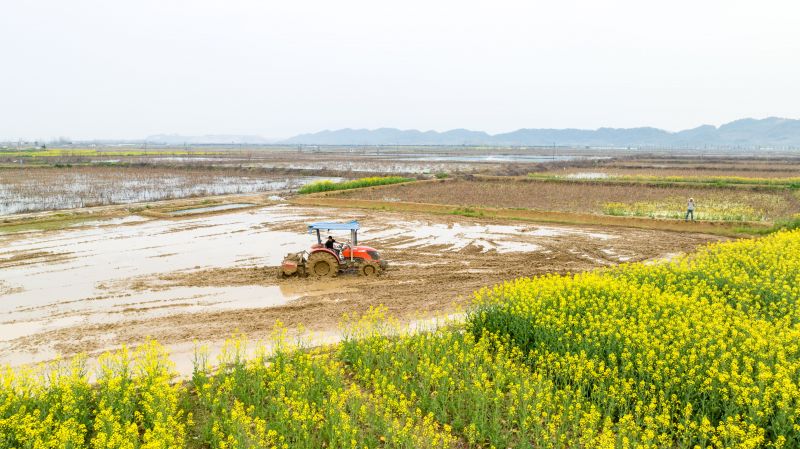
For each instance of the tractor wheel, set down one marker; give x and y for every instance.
(322, 264)
(369, 269)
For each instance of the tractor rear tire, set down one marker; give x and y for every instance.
(322, 264)
(369, 269)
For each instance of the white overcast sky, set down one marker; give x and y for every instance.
(127, 69)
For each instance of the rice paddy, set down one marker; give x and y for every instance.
(49, 188)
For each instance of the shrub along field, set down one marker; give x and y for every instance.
(703, 351)
(328, 186)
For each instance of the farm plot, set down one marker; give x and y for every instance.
(42, 188)
(691, 165)
(595, 198)
(619, 358)
(200, 277)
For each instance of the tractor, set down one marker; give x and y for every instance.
(320, 261)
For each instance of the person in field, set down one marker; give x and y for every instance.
(329, 243)
(689, 210)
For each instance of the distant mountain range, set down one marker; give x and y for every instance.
(768, 132)
(771, 132)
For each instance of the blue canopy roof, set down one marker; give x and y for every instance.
(333, 226)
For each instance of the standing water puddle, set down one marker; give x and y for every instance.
(457, 236)
(90, 280)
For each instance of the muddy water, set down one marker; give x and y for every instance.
(77, 282)
(481, 237)
(112, 273)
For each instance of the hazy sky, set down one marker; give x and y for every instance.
(127, 69)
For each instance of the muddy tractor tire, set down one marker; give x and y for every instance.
(322, 264)
(369, 269)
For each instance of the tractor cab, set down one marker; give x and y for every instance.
(317, 228)
(320, 261)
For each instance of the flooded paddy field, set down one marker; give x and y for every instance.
(203, 277)
(356, 159)
(51, 188)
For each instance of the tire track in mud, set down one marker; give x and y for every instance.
(21, 258)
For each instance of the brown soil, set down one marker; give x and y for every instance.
(774, 167)
(577, 197)
(420, 283)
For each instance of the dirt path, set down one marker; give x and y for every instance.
(204, 278)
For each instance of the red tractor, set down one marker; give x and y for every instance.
(323, 261)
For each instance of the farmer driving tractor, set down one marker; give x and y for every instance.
(331, 244)
(330, 257)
